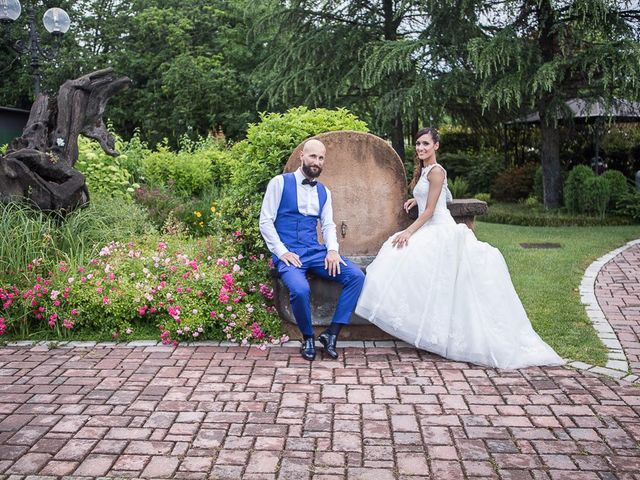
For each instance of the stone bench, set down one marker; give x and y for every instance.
(324, 293)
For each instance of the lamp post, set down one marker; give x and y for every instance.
(55, 20)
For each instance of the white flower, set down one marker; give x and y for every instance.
(60, 142)
(71, 279)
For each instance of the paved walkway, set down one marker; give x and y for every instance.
(617, 289)
(377, 413)
(383, 411)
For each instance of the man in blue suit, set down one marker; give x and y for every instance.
(292, 206)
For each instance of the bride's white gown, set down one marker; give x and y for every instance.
(449, 293)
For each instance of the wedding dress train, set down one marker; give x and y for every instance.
(451, 294)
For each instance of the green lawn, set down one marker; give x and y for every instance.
(547, 280)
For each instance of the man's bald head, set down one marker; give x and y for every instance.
(313, 145)
(312, 158)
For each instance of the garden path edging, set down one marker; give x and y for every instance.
(617, 365)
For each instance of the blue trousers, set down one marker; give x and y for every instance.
(350, 277)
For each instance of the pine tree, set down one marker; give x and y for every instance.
(541, 53)
(328, 54)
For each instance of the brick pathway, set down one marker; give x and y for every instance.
(378, 413)
(617, 290)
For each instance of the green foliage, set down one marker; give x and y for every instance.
(485, 197)
(618, 187)
(459, 187)
(515, 184)
(629, 206)
(132, 154)
(104, 174)
(587, 193)
(531, 201)
(541, 54)
(28, 234)
(621, 145)
(457, 164)
(596, 195)
(574, 188)
(3, 148)
(254, 161)
(159, 202)
(187, 172)
(483, 171)
(191, 64)
(457, 139)
(535, 215)
(200, 215)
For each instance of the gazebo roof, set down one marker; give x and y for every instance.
(582, 109)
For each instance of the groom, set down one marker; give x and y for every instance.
(292, 206)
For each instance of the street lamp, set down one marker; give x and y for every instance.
(55, 20)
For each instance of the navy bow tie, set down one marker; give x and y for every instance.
(306, 181)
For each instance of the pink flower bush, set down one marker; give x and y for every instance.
(186, 290)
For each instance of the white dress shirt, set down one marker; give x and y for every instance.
(308, 204)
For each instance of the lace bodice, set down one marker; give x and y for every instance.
(421, 191)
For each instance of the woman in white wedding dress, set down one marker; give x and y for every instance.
(435, 286)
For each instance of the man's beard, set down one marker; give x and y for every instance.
(306, 169)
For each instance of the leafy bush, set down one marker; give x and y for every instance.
(189, 173)
(621, 145)
(200, 215)
(618, 186)
(574, 188)
(485, 197)
(537, 216)
(457, 164)
(596, 196)
(459, 187)
(158, 201)
(179, 286)
(483, 171)
(103, 173)
(532, 201)
(629, 206)
(254, 161)
(132, 155)
(515, 183)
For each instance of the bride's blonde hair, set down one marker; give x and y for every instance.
(417, 163)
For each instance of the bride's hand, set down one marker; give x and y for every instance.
(402, 239)
(409, 204)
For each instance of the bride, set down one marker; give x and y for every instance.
(435, 286)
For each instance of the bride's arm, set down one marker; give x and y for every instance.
(436, 181)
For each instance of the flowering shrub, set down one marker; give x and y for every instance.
(251, 163)
(186, 295)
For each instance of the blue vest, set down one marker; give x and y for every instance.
(297, 231)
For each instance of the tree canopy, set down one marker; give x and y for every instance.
(204, 66)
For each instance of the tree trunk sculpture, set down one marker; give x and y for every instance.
(39, 165)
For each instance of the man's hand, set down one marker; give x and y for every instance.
(332, 263)
(402, 239)
(409, 204)
(291, 258)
